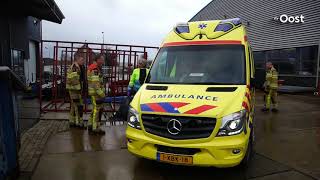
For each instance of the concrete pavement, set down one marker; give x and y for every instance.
(287, 147)
(34, 140)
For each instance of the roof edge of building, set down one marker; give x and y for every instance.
(55, 10)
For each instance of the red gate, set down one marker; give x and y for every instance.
(57, 56)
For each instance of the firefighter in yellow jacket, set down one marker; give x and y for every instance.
(270, 88)
(75, 84)
(96, 91)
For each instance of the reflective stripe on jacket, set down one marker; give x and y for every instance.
(95, 81)
(73, 78)
(136, 79)
(272, 78)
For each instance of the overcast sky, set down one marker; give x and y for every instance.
(141, 22)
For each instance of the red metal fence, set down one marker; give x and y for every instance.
(57, 56)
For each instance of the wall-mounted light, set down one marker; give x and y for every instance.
(35, 21)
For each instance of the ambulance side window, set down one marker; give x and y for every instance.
(250, 61)
(252, 64)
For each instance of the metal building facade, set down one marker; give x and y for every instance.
(292, 47)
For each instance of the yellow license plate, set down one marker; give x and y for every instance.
(172, 158)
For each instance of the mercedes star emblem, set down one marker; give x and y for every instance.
(174, 127)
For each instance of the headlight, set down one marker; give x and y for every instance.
(133, 118)
(233, 124)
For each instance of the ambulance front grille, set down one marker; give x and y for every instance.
(192, 127)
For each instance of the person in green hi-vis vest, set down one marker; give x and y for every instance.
(138, 77)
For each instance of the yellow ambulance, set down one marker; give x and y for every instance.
(196, 106)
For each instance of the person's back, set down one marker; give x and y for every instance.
(95, 81)
(97, 94)
(138, 77)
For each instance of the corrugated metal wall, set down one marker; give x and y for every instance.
(264, 32)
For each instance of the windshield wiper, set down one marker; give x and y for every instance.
(210, 83)
(195, 83)
(162, 83)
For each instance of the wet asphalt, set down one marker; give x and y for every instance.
(287, 146)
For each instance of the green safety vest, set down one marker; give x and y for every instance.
(135, 82)
(173, 70)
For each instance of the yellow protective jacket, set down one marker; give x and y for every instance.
(272, 79)
(73, 78)
(137, 79)
(95, 81)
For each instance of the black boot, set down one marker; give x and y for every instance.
(89, 127)
(264, 109)
(81, 125)
(99, 132)
(72, 125)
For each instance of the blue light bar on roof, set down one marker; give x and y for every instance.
(234, 21)
(223, 27)
(227, 24)
(182, 29)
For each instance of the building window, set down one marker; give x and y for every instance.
(294, 61)
(308, 60)
(284, 60)
(17, 63)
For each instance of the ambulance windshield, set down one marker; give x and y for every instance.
(208, 64)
